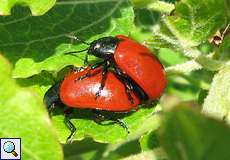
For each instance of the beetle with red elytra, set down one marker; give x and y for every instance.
(127, 67)
(129, 59)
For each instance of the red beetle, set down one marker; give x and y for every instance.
(141, 65)
(130, 60)
(81, 94)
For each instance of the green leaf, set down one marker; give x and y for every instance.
(85, 149)
(202, 95)
(225, 49)
(39, 83)
(191, 24)
(162, 6)
(23, 115)
(141, 3)
(36, 7)
(217, 103)
(149, 141)
(156, 5)
(228, 9)
(39, 43)
(145, 19)
(156, 154)
(186, 134)
(170, 58)
(126, 149)
(108, 132)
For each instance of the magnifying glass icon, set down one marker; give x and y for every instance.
(9, 147)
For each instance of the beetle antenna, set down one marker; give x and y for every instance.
(77, 39)
(72, 52)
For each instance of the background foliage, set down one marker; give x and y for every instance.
(189, 121)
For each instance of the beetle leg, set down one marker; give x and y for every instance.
(83, 76)
(69, 124)
(86, 61)
(128, 86)
(51, 108)
(96, 65)
(104, 75)
(78, 69)
(99, 117)
(87, 74)
(129, 89)
(122, 124)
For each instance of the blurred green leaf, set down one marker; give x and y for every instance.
(149, 141)
(186, 82)
(156, 154)
(98, 151)
(88, 150)
(169, 57)
(23, 115)
(202, 95)
(36, 7)
(228, 9)
(217, 102)
(225, 49)
(191, 24)
(179, 85)
(39, 43)
(126, 149)
(186, 134)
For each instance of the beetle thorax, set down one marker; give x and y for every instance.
(103, 47)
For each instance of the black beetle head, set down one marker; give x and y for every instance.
(103, 47)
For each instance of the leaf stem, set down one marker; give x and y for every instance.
(209, 63)
(186, 67)
(205, 61)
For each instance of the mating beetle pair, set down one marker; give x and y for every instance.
(128, 75)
